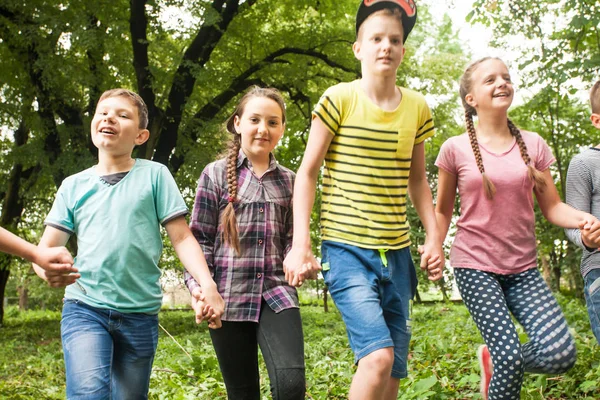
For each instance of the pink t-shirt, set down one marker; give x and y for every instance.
(495, 235)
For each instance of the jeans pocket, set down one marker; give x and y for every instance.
(592, 299)
(595, 285)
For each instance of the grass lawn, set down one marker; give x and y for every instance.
(443, 362)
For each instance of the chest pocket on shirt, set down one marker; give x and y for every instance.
(406, 142)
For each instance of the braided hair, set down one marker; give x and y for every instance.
(229, 221)
(466, 84)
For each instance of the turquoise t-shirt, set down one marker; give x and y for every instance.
(118, 234)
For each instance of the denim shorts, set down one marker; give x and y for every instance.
(373, 290)
(107, 354)
(592, 299)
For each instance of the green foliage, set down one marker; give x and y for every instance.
(58, 58)
(442, 361)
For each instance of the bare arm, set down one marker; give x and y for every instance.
(191, 256)
(446, 196)
(54, 240)
(56, 259)
(300, 254)
(557, 212)
(432, 257)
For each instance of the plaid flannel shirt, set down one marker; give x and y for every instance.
(264, 219)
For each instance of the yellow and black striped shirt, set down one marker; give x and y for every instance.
(367, 165)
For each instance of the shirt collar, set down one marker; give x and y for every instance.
(242, 158)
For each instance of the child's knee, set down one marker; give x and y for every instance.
(290, 385)
(379, 362)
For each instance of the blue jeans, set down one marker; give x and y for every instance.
(108, 354)
(373, 292)
(592, 299)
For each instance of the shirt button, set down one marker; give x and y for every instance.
(259, 275)
(261, 209)
(259, 241)
(259, 183)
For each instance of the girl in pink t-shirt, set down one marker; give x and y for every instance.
(496, 168)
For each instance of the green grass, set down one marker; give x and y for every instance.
(443, 364)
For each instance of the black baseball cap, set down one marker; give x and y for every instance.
(408, 8)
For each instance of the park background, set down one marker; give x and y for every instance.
(190, 60)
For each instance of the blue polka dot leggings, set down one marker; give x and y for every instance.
(490, 299)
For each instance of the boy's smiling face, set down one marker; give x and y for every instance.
(379, 46)
(115, 127)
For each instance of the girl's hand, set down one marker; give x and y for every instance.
(432, 260)
(300, 265)
(203, 311)
(212, 297)
(590, 232)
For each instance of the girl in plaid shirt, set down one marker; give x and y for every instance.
(242, 218)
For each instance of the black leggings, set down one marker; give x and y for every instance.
(491, 298)
(282, 344)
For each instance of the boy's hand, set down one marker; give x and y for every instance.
(57, 278)
(590, 232)
(55, 259)
(203, 311)
(300, 265)
(432, 260)
(211, 298)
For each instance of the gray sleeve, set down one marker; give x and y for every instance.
(579, 195)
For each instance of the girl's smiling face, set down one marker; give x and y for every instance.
(260, 128)
(491, 87)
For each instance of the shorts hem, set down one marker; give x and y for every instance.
(399, 374)
(382, 344)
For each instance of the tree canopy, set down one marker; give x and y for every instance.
(191, 59)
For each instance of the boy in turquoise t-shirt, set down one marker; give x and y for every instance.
(109, 324)
(370, 133)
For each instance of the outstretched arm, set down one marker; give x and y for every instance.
(300, 261)
(432, 257)
(557, 212)
(53, 241)
(191, 256)
(446, 195)
(56, 259)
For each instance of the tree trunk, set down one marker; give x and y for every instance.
(442, 285)
(325, 306)
(546, 273)
(556, 275)
(23, 298)
(4, 273)
(418, 296)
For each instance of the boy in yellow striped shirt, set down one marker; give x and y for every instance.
(370, 134)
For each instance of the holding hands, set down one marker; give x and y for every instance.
(208, 306)
(300, 265)
(56, 266)
(432, 259)
(590, 231)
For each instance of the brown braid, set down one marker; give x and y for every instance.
(230, 232)
(536, 176)
(228, 220)
(488, 185)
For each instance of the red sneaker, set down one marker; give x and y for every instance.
(485, 363)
